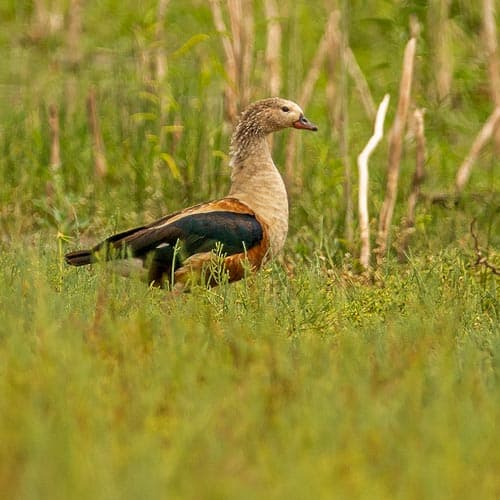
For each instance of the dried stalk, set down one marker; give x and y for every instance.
(491, 45)
(43, 22)
(74, 44)
(100, 166)
(161, 67)
(234, 8)
(480, 141)
(418, 177)
(361, 83)
(161, 63)
(143, 63)
(317, 62)
(465, 169)
(55, 148)
(273, 47)
(396, 145)
(364, 221)
(439, 13)
(331, 90)
(230, 95)
(344, 129)
(238, 49)
(247, 43)
(40, 14)
(306, 92)
(52, 186)
(481, 260)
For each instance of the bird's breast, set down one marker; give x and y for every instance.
(266, 195)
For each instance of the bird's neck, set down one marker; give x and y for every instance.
(256, 181)
(248, 157)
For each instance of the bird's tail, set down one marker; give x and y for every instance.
(80, 258)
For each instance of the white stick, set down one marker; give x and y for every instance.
(364, 223)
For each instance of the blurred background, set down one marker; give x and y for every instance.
(312, 378)
(114, 113)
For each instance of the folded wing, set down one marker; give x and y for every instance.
(164, 245)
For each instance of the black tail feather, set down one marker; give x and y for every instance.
(80, 258)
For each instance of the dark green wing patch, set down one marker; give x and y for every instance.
(195, 233)
(235, 232)
(230, 232)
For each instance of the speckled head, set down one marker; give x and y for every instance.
(262, 118)
(270, 115)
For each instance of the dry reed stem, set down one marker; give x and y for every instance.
(230, 94)
(44, 21)
(273, 51)
(331, 90)
(360, 82)
(143, 63)
(439, 13)
(312, 76)
(273, 47)
(480, 141)
(418, 177)
(55, 148)
(396, 146)
(161, 63)
(491, 46)
(238, 50)
(247, 44)
(100, 166)
(481, 260)
(55, 153)
(74, 53)
(364, 156)
(242, 37)
(344, 128)
(161, 66)
(40, 14)
(305, 95)
(234, 8)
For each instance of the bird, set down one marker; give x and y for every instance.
(245, 229)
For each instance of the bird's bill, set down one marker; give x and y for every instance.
(305, 124)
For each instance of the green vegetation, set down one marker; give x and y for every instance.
(303, 381)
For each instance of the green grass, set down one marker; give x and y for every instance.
(304, 381)
(274, 387)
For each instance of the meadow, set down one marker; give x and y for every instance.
(310, 379)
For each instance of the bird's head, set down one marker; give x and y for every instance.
(273, 114)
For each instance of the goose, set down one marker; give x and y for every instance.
(246, 228)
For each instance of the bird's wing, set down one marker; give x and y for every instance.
(227, 222)
(198, 232)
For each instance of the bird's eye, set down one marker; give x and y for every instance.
(285, 109)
